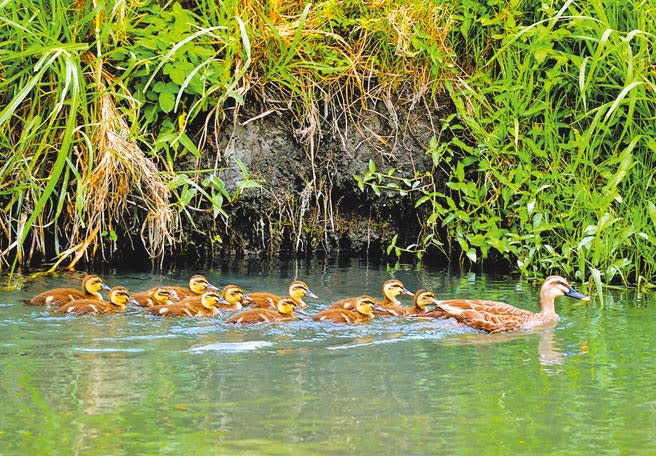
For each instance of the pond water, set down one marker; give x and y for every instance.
(137, 384)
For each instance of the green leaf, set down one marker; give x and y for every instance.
(166, 101)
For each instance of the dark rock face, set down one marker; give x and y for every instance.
(309, 200)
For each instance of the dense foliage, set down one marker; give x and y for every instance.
(546, 162)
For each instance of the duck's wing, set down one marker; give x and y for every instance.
(490, 316)
(173, 310)
(253, 316)
(82, 306)
(56, 297)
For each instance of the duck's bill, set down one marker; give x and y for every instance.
(246, 299)
(572, 293)
(381, 309)
(309, 294)
(211, 287)
(105, 287)
(407, 292)
(300, 310)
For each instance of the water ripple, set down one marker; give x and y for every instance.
(232, 346)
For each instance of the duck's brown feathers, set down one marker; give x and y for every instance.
(91, 285)
(341, 315)
(259, 315)
(297, 290)
(494, 317)
(189, 307)
(88, 306)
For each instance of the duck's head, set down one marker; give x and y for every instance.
(234, 294)
(555, 286)
(287, 305)
(394, 287)
(424, 298)
(119, 297)
(298, 289)
(163, 295)
(92, 284)
(199, 284)
(211, 299)
(365, 305)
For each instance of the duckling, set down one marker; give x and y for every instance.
(297, 290)
(91, 285)
(198, 284)
(389, 306)
(235, 298)
(204, 305)
(423, 299)
(363, 311)
(285, 308)
(118, 300)
(495, 317)
(159, 297)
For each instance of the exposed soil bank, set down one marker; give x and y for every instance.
(309, 200)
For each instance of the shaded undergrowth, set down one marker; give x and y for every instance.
(113, 112)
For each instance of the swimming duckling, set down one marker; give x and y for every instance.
(363, 311)
(423, 299)
(235, 298)
(389, 306)
(118, 300)
(204, 305)
(285, 308)
(198, 284)
(91, 285)
(297, 290)
(494, 317)
(159, 297)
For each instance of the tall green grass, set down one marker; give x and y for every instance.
(549, 158)
(109, 110)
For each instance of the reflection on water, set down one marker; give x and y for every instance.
(135, 384)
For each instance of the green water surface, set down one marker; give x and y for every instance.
(133, 384)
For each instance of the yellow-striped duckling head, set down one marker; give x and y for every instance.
(287, 305)
(365, 305)
(234, 294)
(92, 284)
(424, 298)
(393, 288)
(164, 295)
(211, 299)
(120, 297)
(298, 290)
(199, 284)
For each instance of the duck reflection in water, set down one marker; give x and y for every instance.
(549, 353)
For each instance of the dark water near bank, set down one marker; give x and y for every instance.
(134, 384)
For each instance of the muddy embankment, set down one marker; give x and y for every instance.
(309, 202)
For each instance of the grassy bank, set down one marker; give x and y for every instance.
(546, 162)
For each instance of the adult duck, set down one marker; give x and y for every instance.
(495, 317)
(91, 286)
(118, 300)
(297, 291)
(284, 311)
